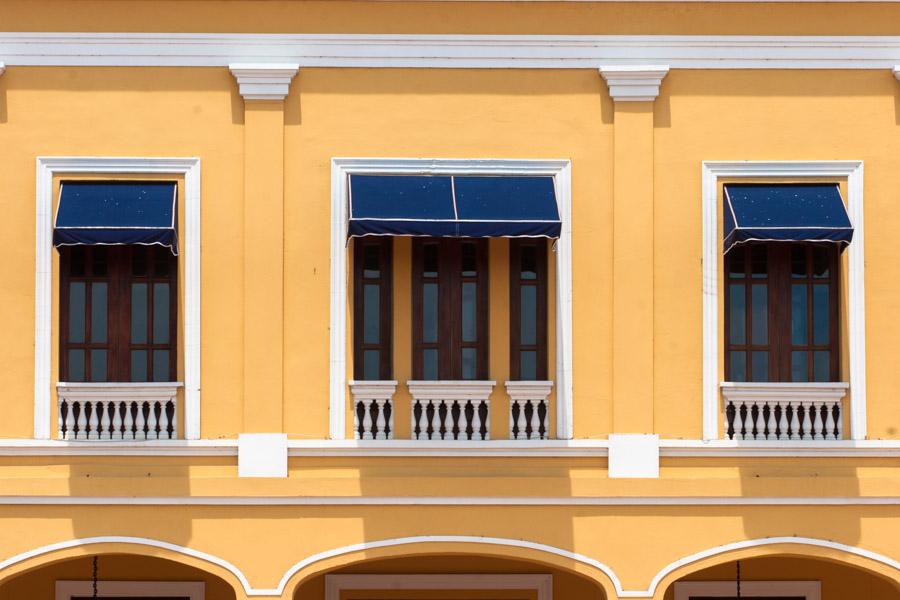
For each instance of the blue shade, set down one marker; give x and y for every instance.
(785, 212)
(115, 213)
(453, 206)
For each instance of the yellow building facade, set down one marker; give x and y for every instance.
(680, 385)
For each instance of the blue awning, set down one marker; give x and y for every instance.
(116, 213)
(453, 206)
(785, 213)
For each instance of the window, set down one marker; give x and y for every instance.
(450, 299)
(528, 309)
(118, 313)
(372, 308)
(131, 590)
(781, 312)
(751, 590)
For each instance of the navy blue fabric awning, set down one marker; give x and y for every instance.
(453, 206)
(785, 213)
(116, 213)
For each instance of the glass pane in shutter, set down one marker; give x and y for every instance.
(760, 313)
(98, 365)
(430, 364)
(160, 313)
(738, 366)
(429, 313)
(139, 313)
(529, 262)
(371, 262)
(737, 315)
(469, 360)
(161, 365)
(98, 313)
(371, 364)
(76, 365)
(528, 314)
(469, 306)
(820, 314)
(760, 366)
(799, 366)
(139, 365)
(76, 311)
(799, 328)
(821, 365)
(528, 365)
(371, 313)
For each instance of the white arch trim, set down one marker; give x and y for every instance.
(424, 539)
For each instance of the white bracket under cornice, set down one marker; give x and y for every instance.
(3, 68)
(634, 83)
(896, 71)
(264, 81)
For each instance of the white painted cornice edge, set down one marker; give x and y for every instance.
(451, 390)
(896, 71)
(783, 392)
(528, 390)
(3, 67)
(263, 81)
(376, 390)
(634, 83)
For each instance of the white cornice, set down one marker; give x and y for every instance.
(259, 81)
(449, 51)
(634, 83)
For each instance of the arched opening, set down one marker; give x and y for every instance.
(118, 576)
(783, 577)
(449, 576)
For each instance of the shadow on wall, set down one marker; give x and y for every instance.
(566, 585)
(839, 581)
(39, 583)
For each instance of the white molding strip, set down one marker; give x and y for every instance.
(808, 590)
(341, 168)
(852, 170)
(47, 167)
(193, 590)
(802, 501)
(540, 583)
(261, 81)
(634, 83)
(470, 449)
(449, 51)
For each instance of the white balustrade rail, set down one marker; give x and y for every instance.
(451, 410)
(373, 409)
(784, 411)
(117, 411)
(529, 409)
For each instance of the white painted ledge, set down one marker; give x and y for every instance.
(783, 392)
(633, 456)
(634, 83)
(262, 81)
(149, 391)
(528, 390)
(450, 390)
(373, 390)
(262, 455)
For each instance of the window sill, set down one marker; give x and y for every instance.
(733, 391)
(528, 390)
(119, 390)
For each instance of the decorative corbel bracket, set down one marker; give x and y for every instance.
(264, 81)
(2, 67)
(896, 71)
(634, 83)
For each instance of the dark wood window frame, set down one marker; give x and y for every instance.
(781, 274)
(450, 280)
(383, 245)
(115, 266)
(516, 283)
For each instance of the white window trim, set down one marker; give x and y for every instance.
(47, 168)
(809, 590)
(541, 583)
(341, 168)
(195, 590)
(852, 170)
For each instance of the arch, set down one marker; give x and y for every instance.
(319, 563)
(824, 549)
(51, 553)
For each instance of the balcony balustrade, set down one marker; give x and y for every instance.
(784, 411)
(118, 411)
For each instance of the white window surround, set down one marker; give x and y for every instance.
(195, 590)
(808, 590)
(541, 583)
(341, 168)
(47, 168)
(712, 172)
